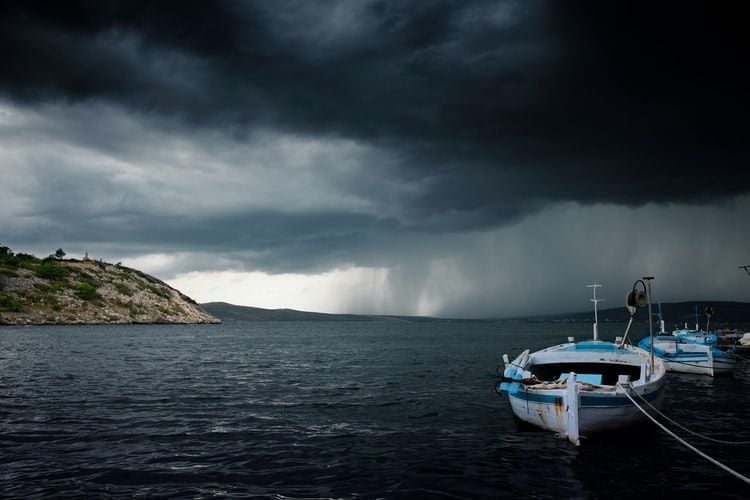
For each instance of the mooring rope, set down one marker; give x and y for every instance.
(656, 410)
(682, 441)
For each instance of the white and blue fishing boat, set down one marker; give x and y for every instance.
(578, 388)
(683, 356)
(693, 335)
(691, 350)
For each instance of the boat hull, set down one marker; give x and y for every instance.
(598, 411)
(700, 366)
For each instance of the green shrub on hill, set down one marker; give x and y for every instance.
(161, 292)
(51, 271)
(10, 260)
(86, 291)
(8, 304)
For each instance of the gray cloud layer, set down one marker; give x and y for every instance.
(563, 101)
(298, 136)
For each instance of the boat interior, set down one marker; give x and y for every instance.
(595, 373)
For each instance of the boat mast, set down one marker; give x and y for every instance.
(648, 279)
(662, 331)
(596, 316)
(697, 320)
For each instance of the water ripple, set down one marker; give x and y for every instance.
(321, 410)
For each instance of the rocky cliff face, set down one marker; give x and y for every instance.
(52, 291)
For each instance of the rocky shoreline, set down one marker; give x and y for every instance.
(64, 292)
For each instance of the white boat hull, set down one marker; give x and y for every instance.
(700, 366)
(597, 412)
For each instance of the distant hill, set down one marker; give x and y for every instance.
(227, 311)
(231, 312)
(674, 313)
(68, 291)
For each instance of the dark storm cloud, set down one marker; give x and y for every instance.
(458, 158)
(495, 109)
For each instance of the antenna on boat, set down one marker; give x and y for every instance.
(596, 316)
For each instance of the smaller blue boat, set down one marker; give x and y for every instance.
(691, 350)
(693, 335)
(680, 355)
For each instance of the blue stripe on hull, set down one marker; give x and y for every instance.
(536, 398)
(587, 401)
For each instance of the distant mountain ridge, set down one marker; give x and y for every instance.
(231, 312)
(227, 311)
(674, 313)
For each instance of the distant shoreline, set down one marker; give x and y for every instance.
(674, 313)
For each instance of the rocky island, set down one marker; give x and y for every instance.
(55, 290)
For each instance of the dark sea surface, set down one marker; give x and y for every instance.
(328, 410)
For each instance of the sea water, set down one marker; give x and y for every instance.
(328, 410)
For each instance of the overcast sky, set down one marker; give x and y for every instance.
(463, 159)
